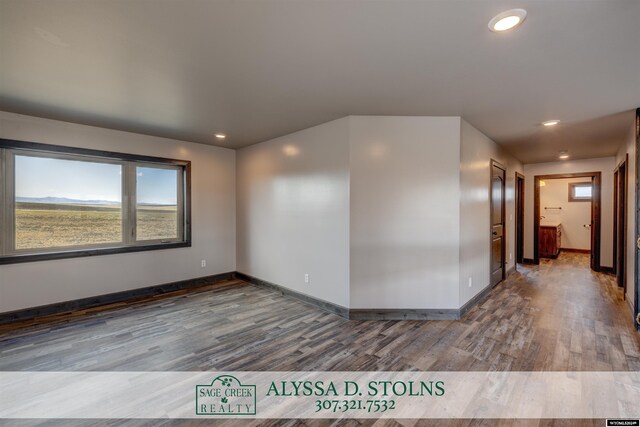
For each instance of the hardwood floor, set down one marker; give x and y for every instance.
(556, 316)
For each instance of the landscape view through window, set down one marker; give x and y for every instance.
(63, 203)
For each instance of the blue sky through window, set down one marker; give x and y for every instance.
(157, 186)
(40, 177)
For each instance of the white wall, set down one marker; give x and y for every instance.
(381, 212)
(293, 211)
(476, 153)
(604, 165)
(630, 149)
(573, 215)
(362, 205)
(373, 209)
(404, 212)
(213, 221)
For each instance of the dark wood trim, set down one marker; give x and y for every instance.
(187, 202)
(519, 216)
(504, 214)
(494, 162)
(49, 256)
(616, 174)
(140, 293)
(596, 223)
(607, 270)
(578, 251)
(38, 146)
(316, 302)
(636, 284)
(403, 314)
(369, 313)
(536, 220)
(620, 183)
(477, 299)
(595, 213)
(528, 261)
(79, 253)
(50, 310)
(568, 175)
(117, 297)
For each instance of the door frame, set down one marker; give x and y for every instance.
(620, 176)
(504, 220)
(636, 304)
(595, 213)
(519, 217)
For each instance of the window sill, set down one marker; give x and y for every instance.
(14, 259)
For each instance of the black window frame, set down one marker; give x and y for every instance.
(7, 147)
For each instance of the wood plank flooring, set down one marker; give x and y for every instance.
(553, 317)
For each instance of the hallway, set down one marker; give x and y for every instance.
(580, 317)
(556, 316)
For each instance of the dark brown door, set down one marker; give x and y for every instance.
(497, 223)
(519, 218)
(595, 236)
(636, 279)
(620, 224)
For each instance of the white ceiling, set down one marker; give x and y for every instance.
(264, 68)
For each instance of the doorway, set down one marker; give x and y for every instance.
(594, 225)
(620, 224)
(497, 199)
(519, 202)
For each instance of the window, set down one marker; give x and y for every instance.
(580, 191)
(60, 202)
(157, 203)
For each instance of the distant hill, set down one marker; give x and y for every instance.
(64, 200)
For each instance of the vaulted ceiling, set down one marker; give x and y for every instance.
(258, 69)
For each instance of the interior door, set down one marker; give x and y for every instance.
(519, 218)
(636, 304)
(595, 231)
(621, 222)
(497, 223)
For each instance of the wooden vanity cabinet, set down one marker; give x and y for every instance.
(550, 240)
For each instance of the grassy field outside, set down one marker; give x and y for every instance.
(46, 225)
(157, 222)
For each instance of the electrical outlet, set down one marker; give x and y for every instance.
(470, 281)
(306, 278)
(203, 263)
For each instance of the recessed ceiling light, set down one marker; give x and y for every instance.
(291, 150)
(507, 20)
(550, 123)
(220, 135)
(563, 155)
